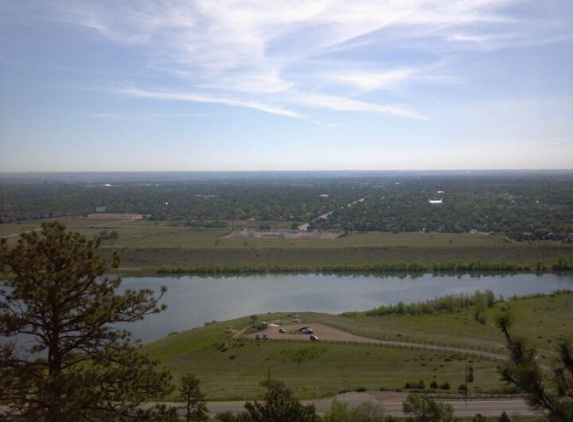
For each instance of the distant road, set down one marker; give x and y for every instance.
(390, 401)
(304, 227)
(392, 404)
(18, 234)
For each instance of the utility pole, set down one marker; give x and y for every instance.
(466, 384)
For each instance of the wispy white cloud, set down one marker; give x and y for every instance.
(139, 117)
(198, 98)
(336, 103)
(257, 54)
(386, 80)
(112, 116)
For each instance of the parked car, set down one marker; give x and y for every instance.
(313, 338)
(265, 336)
(282, 330)
(303, 328)
(308, 331)
(258, 337)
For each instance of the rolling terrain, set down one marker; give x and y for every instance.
(426, 348)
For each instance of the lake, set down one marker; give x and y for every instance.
(194, 300)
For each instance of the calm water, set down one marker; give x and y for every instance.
(194, 300)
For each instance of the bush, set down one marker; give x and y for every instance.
(420, 385)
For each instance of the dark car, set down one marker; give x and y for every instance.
(282, 330)
(265, 336)
(308, 331)
(303, 328)
(258, 337)
(313, 338)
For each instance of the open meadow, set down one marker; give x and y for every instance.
(231, 363)
(145, 245)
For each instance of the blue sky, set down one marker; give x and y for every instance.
(159, 85)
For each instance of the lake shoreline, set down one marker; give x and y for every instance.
(154, 272)
(194, 300)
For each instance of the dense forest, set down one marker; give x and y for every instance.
(522, 205)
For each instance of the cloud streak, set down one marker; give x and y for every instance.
(260, 55)
(198, 98)
(324, 101)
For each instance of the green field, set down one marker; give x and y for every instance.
(543, 319)
(150, 234)
(325, 370)
(232, 369)
(150, 244)
(146, 245)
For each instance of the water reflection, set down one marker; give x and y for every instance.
(195, 300)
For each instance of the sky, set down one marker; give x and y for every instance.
(223, 85)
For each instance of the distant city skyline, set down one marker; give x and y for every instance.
(176, 85)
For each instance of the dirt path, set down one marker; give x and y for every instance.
(20, 233)
(324, 332)
(305, 226)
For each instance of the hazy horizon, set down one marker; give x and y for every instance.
(234, 86)
(268, 175)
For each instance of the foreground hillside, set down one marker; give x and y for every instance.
(231, 363)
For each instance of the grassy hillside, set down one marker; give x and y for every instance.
(543, 319)
(231, 369)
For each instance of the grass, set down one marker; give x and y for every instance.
(145, 233)
(151, 258)
(235, 374)
(146, 245)
(542, 319)
(232, 369)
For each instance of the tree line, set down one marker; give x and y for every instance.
(524, 206)
(479, 301)
(396, 268)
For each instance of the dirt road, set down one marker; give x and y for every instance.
(328, 333)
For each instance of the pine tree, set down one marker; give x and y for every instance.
(549, 392)
(424, 409)
(279, 406)
(194, 399)
(64, 359)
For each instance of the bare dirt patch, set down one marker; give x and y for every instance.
(324, 332)
(115, 216)
(284, 234)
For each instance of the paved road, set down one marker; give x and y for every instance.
(392, 403)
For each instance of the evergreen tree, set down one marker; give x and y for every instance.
(62, 358)
(552, 394)
(194, 399)
(424, 409)
(280, 406)
(504, 418)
